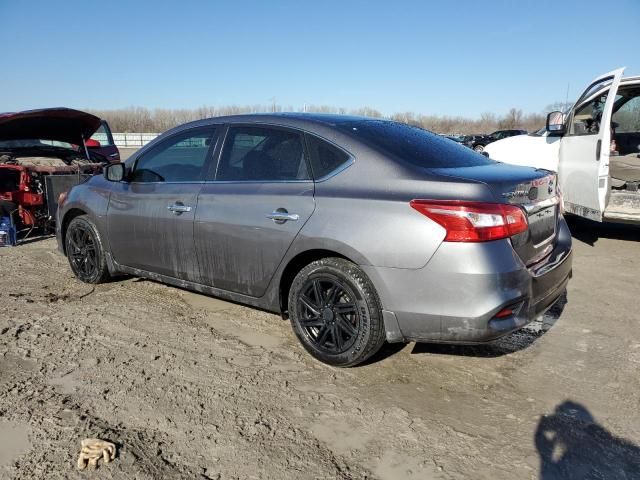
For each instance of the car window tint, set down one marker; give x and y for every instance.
(324, 157)
(262, 154)
(413, 145)
(177, 159)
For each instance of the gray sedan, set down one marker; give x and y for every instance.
(358, 230)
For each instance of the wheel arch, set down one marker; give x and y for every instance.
(297, 263)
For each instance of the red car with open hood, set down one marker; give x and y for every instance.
(44, 153)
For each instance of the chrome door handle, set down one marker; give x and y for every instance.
(179, 208)
(281, 216)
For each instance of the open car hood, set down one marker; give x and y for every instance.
(61, 124)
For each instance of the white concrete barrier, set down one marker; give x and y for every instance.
(133, 140)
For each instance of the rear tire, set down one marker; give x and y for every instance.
(85, 252)
(335, 312)
(479, 148)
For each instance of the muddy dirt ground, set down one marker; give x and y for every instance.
(188, 386)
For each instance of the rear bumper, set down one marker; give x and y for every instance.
(456, 296)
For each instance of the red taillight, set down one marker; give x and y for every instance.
(504, 313)
(474, 221)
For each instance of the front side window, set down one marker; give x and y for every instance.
(262, 154)
(325, 158)
(587, 117)
(180, 158)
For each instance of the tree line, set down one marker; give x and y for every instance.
(144, 120)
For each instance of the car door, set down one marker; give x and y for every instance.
(150, 217)
(583, 168)
(249, 214)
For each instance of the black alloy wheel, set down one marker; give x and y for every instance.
(335, 312)
(84, 251)
(329, 316)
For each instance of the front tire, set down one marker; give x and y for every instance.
(335, 312)
(479, 148)
(85, 252)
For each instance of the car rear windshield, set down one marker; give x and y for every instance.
(414, 145)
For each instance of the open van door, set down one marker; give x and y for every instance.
(583, 168)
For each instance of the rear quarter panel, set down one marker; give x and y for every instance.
(363, 212)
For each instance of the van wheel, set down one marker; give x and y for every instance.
(479, 148)
(335, 312)
(85, 251)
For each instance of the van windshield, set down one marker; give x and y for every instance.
(412, 144)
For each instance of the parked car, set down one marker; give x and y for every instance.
(479, 142)
(358, 230)
(595, 148)
(42, 153)
(101, 142)
(455, 138)
(468, 140)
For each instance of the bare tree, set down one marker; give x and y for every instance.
(512, 119)
(139, 119)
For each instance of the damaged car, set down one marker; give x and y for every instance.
(359, 230)
(44, 153)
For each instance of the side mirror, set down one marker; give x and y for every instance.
(115, 172)
(91, 143)
(555, 123)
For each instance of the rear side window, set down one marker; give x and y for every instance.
(180, 158)
(102, 135)
(324, 157)
(262, 154)
(413, 145)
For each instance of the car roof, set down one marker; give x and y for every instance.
(320, 118)
(292, 119)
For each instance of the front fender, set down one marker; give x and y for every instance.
(90, 198)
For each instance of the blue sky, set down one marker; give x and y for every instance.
(431, 57)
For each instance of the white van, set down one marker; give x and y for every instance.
(595, 148)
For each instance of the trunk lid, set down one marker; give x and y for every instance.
(535, 190)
